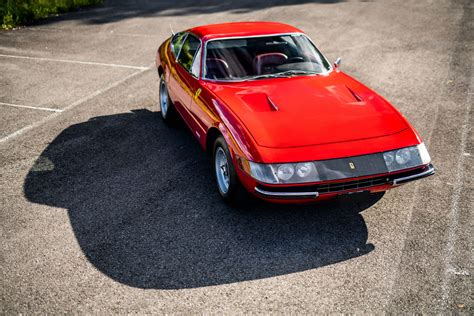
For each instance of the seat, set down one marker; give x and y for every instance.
(217, 68)
(264, 63)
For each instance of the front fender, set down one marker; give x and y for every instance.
(162, 56)
(235, 134)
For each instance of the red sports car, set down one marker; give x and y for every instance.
(279, 120)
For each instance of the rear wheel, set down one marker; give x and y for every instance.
(227, 181)
(166, 106)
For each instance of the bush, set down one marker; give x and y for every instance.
(17, 12)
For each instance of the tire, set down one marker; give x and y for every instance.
(168, 112)
(227, 181)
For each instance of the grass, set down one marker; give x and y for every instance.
(19, 12)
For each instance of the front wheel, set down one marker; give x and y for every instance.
(227, 181)
(166, 106)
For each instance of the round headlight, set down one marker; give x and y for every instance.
(389, 157)
(304, 169)
(285, 172)
(403, 156)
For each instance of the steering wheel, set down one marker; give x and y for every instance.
(297, 59)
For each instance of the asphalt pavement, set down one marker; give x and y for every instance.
(105, 209)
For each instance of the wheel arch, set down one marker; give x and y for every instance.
(160, 70)
(212, 134)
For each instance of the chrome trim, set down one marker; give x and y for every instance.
(287, 194)
(204, 55)
(430, 171)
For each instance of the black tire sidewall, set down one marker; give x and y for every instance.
(169, 118)
(234, 180)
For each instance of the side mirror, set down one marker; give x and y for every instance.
(338, 61)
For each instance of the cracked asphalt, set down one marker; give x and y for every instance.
(103, 209)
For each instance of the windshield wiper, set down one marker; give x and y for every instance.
(262, 77)
(296, 72)
(287, 73)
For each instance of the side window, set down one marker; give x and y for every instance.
(188, 50)
(196, 63)
(177, 42)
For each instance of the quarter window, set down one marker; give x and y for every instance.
(177, 42)
(187, 52)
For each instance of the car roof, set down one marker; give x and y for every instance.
(238, 29)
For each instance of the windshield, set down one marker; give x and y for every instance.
(254, 58)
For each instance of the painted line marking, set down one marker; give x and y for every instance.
(411, 206)
(71, 106)
(30, 107)
(74, 62)
(455, 209)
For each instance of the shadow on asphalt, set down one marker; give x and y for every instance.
(144, 209)
(116, 10)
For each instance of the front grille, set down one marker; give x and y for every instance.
(333, 187)
(350, 185)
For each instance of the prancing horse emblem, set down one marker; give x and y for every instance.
(198, 92)
(351, 165)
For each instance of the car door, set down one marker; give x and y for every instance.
(198, 105)
(182, 80)
(187, 77)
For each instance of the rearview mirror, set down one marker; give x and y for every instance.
(337, 63)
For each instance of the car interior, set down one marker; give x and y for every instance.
(256, 58)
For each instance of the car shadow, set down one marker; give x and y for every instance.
(144, 209)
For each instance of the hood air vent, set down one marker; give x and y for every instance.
(273, 106)
(356, 96)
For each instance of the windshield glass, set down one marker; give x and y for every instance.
(254, 58)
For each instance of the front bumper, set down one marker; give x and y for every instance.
(332, 188)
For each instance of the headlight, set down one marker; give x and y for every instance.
(304, 169)
(314, 171)
(389, 158)
(402, 156)
(408, 157)
(284, 173)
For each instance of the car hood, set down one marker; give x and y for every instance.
(309, 110)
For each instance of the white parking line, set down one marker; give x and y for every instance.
(71, 106)
(30, 107)
(411, 205)
(454, 214)
(74, 62)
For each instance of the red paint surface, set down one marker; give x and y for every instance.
(318, 117)
(237, 29)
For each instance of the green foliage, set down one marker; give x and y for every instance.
(17, 12)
